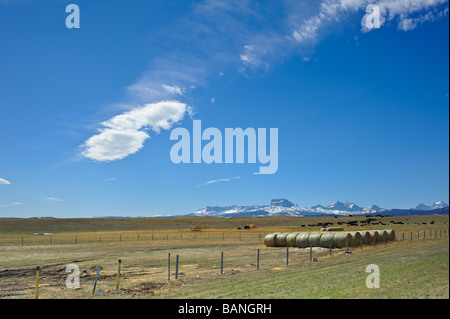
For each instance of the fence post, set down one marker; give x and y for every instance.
(346, 243)
(36, 289)
(96, 278)
(287, 255)
(310, 253)
(51, 239)
(257, 260)
(176, 269)
(118, 274)
(403, 237)
(221, 263)
(331, 245)
(22, 240)
(361, 243)
(168, 266)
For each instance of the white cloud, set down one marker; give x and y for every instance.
(125, 134)
(53, 199)
(4, 182)
(111, 179)
(219, 181)
(213, 100)
(11, 205)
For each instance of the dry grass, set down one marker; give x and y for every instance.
(144, 271)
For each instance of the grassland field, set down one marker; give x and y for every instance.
(417, 268)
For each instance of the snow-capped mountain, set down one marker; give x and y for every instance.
(346, 207)
(437, 205)
(287, 208)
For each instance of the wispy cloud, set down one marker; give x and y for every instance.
(53, 199)
(11, 205)
(111, 179)
(235, 34)
(219, 181)
(4, 182)
(408, 14)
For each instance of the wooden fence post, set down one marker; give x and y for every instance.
(168, 266)
(36, 288)
(221, 263)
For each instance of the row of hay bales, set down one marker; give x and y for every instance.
(325, 239)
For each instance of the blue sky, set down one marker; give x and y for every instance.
(362, 115)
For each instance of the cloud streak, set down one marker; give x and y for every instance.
(219, 181)
(4, 182)
(11, 205)
(53, 199)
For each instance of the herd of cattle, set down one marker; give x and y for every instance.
(364, 222)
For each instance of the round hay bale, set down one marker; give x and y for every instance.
(340, 239)
(356, 238)
(391, 234)
(367, 239)
(269, 240)
(314, 239)
(291, 239)
(383, 235)
(326, 240)
(302, 240)
(280, 240)
(374, 236)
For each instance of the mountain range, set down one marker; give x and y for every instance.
(287, 208)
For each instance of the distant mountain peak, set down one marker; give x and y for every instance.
(439, 205)
(347, 206)
(282, 202)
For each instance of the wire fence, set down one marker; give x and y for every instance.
(91, 238)
(171, 264)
